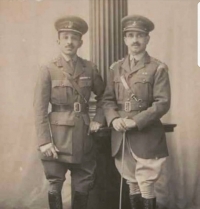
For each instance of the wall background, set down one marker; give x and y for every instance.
(28, 39)
(174, 41)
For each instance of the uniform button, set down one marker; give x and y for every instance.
(140, 105)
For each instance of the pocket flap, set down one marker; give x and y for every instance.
(61, 83)
(62, 118)
(143, 79)
(85, 82)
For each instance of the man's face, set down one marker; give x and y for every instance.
(136, 41)
(69, 42)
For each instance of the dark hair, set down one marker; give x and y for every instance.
(59, 32)
(124, 33)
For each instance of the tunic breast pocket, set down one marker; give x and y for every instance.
(119, 89)
(86, 86)
(61, 91)
(143, 88)
(85, 83)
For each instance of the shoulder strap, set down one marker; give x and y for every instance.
(74, 84)
(126, 86)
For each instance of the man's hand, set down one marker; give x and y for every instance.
(129, 123)
(95, 126)
(119, 124)
(49, 150)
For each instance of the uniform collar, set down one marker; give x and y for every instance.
(67, 58)
(137, 57)
(141, 63)
(79, 68)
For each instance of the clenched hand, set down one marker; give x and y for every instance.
(49, 150)
(95, 126)
(123, 124)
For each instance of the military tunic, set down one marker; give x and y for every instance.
(149, 82)
(68, 128)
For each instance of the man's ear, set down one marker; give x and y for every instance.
(125, 40)
(81, 43)
(58, 41)
(148, 38)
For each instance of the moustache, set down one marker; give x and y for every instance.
(135, 44)
(70, 45)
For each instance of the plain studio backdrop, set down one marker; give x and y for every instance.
(28, 39)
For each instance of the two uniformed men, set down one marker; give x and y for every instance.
(136, 97)
(64, 143)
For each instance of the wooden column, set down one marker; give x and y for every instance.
(106, 41)
(106, 47)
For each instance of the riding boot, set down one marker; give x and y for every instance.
(55, 200)
(80, 201)
(136, 201)
(149, 203)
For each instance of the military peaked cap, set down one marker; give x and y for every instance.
(71, 23)
(137, 23)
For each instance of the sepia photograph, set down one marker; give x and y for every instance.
(100, 104)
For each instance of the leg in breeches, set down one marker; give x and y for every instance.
(129, 165)
(83, 177)
(147, 173)
(55, 174)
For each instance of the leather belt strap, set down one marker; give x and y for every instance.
(133, 107)
(74, 84)
(63, 108)
(126, 86)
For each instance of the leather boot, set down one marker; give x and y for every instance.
(136, 201)
(80, 201)
(149, 203)
(55, 200)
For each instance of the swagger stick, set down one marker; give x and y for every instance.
(122, 168)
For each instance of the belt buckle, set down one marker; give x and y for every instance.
(127, 106)
(77, 107)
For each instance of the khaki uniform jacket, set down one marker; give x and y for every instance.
(149, 81)
(69, 129)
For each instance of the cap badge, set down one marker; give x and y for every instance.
(134, 23)
(69, 24)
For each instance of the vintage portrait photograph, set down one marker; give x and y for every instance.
(100, 104)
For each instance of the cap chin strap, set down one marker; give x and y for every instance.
(70, 30)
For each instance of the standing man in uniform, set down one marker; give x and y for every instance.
(136, 97)
(63, 134)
